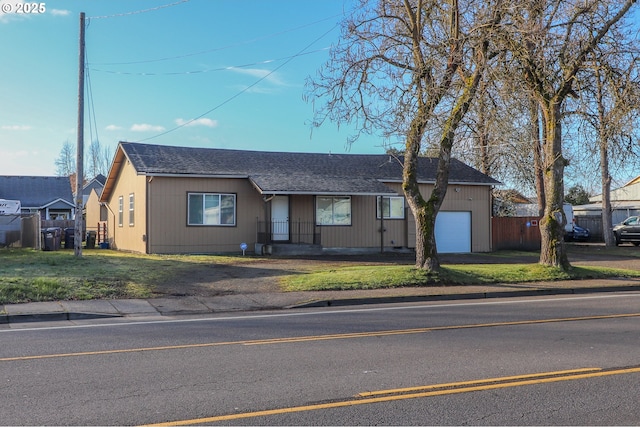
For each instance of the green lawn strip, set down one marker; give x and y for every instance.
(378, 277)
(28, 275)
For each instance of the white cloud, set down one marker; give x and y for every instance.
(60, 12)
(197, 122)
(261, 73)
(113, 127)
(144, 127)
(8, 10)
(15, 127)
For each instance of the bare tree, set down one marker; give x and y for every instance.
(550, 41)
(98, 160)
(410, 68)
(496, 137)
(610, 109)
(66, 161)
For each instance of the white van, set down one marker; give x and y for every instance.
(568, 227)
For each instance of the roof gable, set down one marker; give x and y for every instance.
(36, 191)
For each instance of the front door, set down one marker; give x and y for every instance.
(280, 218)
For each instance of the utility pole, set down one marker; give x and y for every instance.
(77, 238)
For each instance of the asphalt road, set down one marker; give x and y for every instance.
(543, 361)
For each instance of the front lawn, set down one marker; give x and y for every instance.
(28, 275)
(367, 277)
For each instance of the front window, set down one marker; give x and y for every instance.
(333, 210)
(392, 207)
(211, 209)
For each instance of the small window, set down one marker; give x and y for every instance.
(211, 209)
(392, 207)
(120, 210)
(333, 210)
(131, 210)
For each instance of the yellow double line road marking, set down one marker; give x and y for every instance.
(382, 396)
(286, 340)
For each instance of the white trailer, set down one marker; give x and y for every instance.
(9, 207)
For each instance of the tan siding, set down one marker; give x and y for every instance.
(469, 198)
(302, 208)
(168, 229)
(126, 237)
(364, 231)
(92, 209)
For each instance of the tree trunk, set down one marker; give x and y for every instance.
(603, 145)
(425, 217)
(536, 147)
(553, 252)
(607, 220)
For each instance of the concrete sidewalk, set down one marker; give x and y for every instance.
(192, 305)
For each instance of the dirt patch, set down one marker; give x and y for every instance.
(260, 275)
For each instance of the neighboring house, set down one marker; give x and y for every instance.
(508, 203)
(95, 213)
(625, 202)
(96, 184)
(164, 199)
(50, 196)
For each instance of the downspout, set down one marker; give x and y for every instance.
(114, 225)
(382, 223)
(490, 219)
(147, 215)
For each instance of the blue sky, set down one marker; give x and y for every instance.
(237, 66)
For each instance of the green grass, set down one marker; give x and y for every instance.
(28, 275)
(378, 277)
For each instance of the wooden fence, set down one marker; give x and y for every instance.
(62, 223)
(519, 233)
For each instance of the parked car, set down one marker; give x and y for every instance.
(580, 234)
(628, 231)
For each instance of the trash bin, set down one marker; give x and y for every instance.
(91, 239)
(51, 238)
(47, 240)
(57, 237)
(69, 238)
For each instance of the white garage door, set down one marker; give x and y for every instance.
(453, 232)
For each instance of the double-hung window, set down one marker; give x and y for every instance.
(131, 210)
(333, 210)
(120, 211)
(392, 207)
(211, 209)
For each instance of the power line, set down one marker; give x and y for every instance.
(208, 70)
(202, 52)
(138, 11)
(242, 91)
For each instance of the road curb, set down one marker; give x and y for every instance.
(329, 302)
(453, 297)
(52, 317)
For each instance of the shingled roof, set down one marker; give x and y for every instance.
(291, 173)
(36, 191)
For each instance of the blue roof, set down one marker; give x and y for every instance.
(36, 191)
